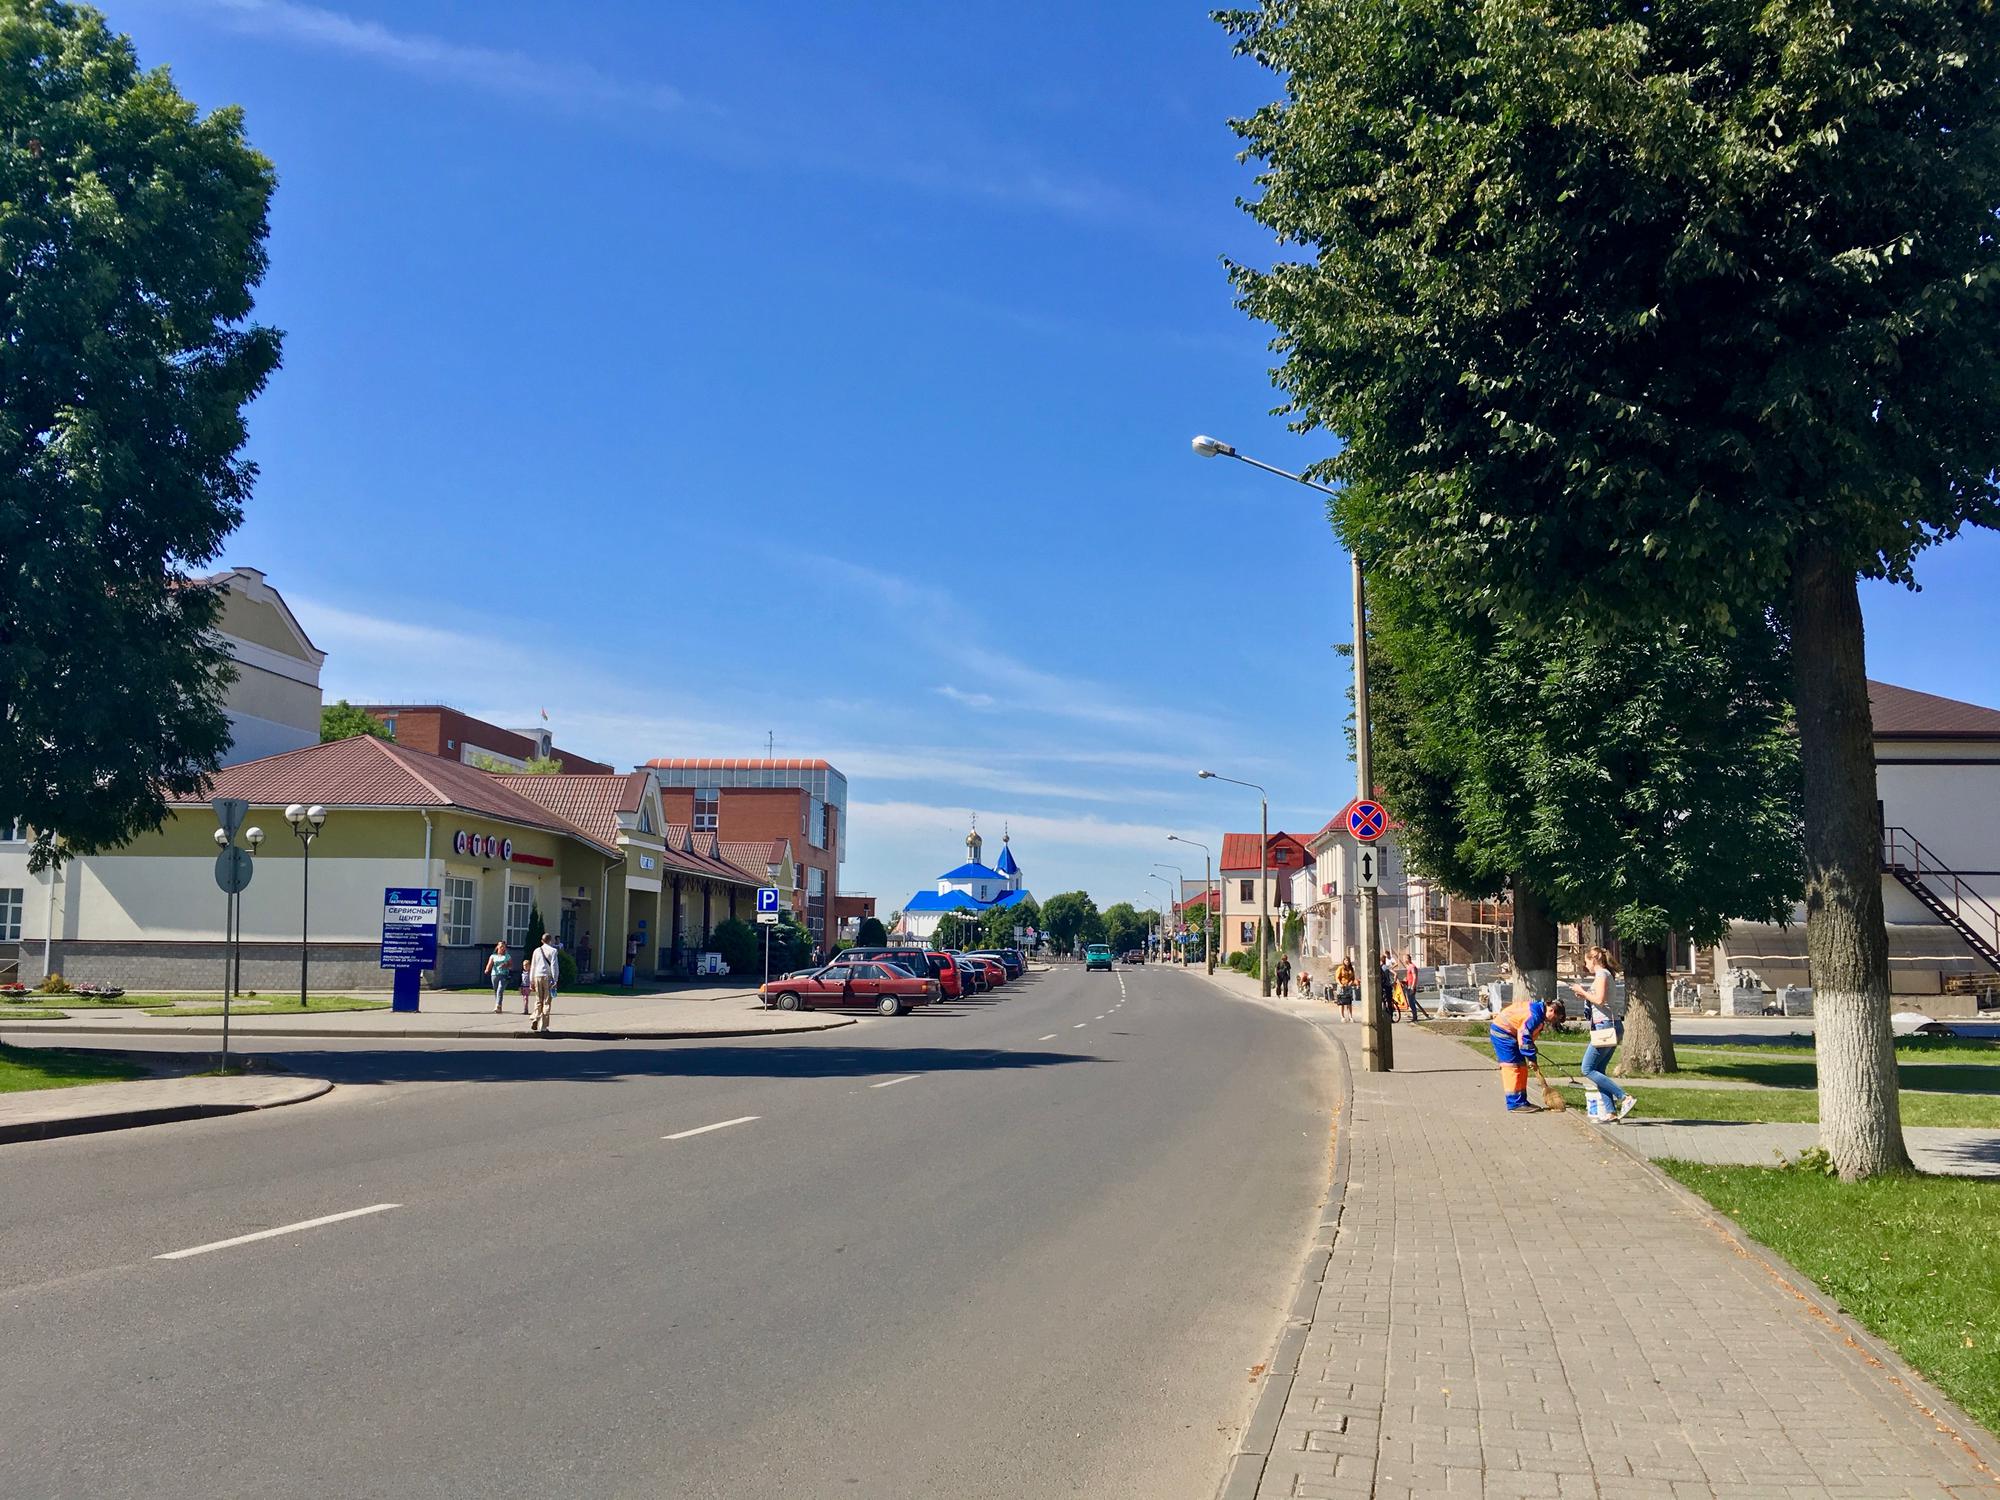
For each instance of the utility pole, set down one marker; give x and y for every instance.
(1378, 1053)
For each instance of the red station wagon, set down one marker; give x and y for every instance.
(879, 987)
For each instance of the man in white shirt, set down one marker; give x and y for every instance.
(542, 971)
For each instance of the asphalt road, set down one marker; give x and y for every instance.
(1029, 1244)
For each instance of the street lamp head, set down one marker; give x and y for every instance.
(1206, 775)
(316, 815)
(221, 839)
(1209, 447)
(295, 814)
(253, 836)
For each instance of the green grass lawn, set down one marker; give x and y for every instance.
(16, 1013)
(24, 1068)
(1784, 1106)
(1937, 1064)
(285, 1005)
(1915, 1259)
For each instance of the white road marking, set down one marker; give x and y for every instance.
(892, 1082)
(1049, 1038)
(266, 1234)
(1079, 1025)
(681, 1135)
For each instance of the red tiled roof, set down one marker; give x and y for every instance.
(1901, 713)
(754, 857)
(1239, 850)
(368, 772)
(592, 803)
(733, 763)
(695, 854)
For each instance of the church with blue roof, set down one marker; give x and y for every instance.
(972, 890)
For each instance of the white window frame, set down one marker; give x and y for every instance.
(451, 932)
(706, 821)
(13, 901)
(527, 906)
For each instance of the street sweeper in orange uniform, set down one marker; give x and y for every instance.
(1513, 1031)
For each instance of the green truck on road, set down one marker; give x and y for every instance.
(1097, 956)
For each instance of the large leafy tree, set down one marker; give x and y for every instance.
(1125, 926)
(871, 934)
(1657, 309)
(954, 932)
(1651, 781)
(996, 927)
(131, 234)
(341, 720)
(1071, 917)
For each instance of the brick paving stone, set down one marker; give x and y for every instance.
(1455, 1351)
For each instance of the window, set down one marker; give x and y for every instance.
(815, 829)
(519, 899)
(459, 901)
(815, 882)
(645, 819)
(10, 913)
(707, 806)
(1246, 890)
(1281, 856)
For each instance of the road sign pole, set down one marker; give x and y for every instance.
(1377, 1049)
(767, 953)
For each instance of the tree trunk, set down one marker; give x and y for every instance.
(1649, 1037)
(1860, 1118)
(1534, 942)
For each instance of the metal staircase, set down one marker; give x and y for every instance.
(1943, 893)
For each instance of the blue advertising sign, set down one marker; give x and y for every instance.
(767, 899)
(409, 928)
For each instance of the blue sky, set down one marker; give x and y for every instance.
(824, 370)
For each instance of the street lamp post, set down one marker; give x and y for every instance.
(1377, 1047)
(1208, 894)
(1169, 907)
(306, 823)
(1263, 874)
(1180, 891)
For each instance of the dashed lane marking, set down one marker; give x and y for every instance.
(681, 1135)
(1050, 1037)
(268, 1234)
(892, 1082)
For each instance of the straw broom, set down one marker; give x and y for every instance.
(1552, 1099)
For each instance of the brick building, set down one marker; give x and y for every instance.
(435, 729)
(749, 801)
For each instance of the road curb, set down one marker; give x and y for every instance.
(165, 1114)
(1944, 1414)
(830, 1023)
(1247, 1461)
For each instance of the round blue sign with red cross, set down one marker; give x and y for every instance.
(1366, 820)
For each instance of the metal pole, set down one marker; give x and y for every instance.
(228, 964)
(305, 918)
(1377, 1049)
(1264, 894)
(1208, 895)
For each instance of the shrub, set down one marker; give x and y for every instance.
(565, 969)
(54, 984)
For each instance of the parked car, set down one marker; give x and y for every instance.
(886, 988)
(973, 974)
(1007, 957)
(1135, 955)
(944, 969)
(916, 960)
(996, 972)
(1097, 956)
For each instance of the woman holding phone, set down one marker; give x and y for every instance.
(1605, 1033)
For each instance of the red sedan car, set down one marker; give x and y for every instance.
(996, 972)
(879, 987)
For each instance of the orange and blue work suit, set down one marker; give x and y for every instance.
(1513, 1033)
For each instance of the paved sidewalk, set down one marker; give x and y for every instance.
(1950, 1151)
(42, 1113)
(717, 1012)
(1451, 1344)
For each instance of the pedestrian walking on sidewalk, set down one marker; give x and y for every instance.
(1606, 1032)
(1346, 985)
(543, 974)
(499, 964)
(1513, 1032)
(1284, 976)
(1410, 988)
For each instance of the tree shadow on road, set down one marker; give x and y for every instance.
(586, 1063)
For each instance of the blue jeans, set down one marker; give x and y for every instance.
(1595, 1060)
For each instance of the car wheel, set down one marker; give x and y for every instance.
(889, 1005)
(788, 1001)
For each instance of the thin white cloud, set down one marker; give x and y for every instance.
(969, 700)
(1085, 832)
(490, 68)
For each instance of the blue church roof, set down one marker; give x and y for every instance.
(1010, 898)
(950, 901)
(1007, 865)
(972, 871)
